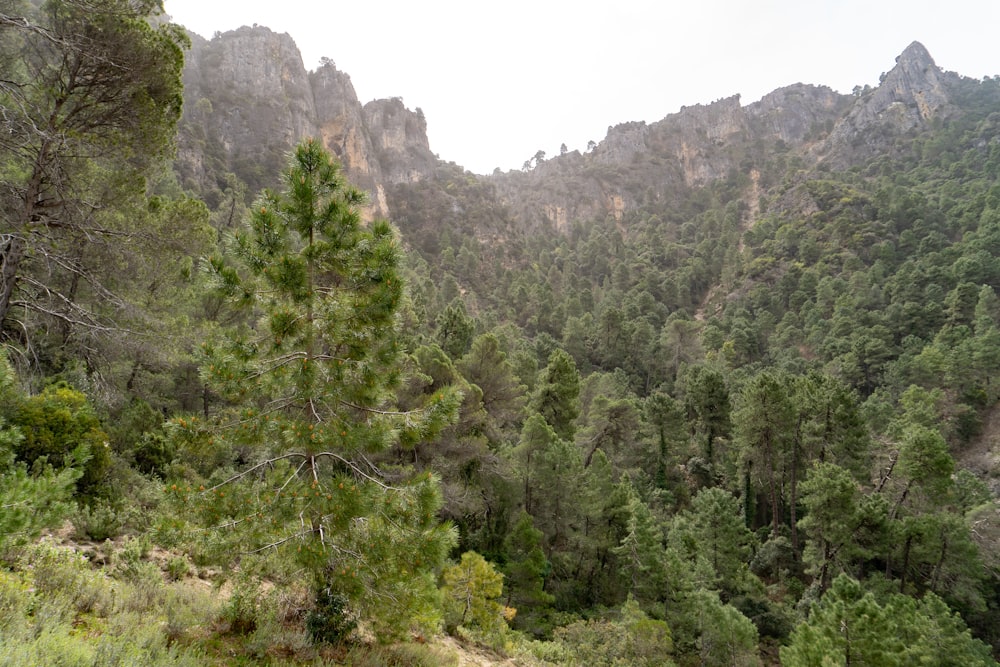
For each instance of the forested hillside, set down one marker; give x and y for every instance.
(719, 391)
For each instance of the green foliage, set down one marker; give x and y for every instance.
(242, 611)
(98, 522)
(29, 502)
(640, 550)
(714, 530)
(61, 429)
(97, 91)
(631, 639)
(831, 500)
(330, 621)
(793, 355)
(526, 568)
(471, 593)
(56, 609)
(555, 396)
(455, 329)
(850, 626)
(725, 636)
(312, 387)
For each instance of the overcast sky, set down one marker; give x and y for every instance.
(498, 81)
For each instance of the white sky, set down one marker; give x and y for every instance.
(498, 81)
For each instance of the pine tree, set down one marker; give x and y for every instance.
(556, 398)
(91, 98)
(311, 382)
(850, 627)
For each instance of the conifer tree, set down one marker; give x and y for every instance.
(91, 96)
(556, 398)
(311, 384)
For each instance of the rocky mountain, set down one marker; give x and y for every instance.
(249, 98)
(639, 165)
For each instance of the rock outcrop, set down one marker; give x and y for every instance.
(909, 96)
(400, 140)
(249, 100)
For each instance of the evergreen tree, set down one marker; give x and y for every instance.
(471, 591)
(765, 424)
(92, 96)
(714, 529)
(831, 500)
(311, 382)
(641, 548)
(555, 398)
(851, 627)
(37, 497)
(708, 408)
(486, 365)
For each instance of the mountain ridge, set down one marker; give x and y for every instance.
(249, 98)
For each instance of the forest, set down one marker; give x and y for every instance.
(243, 426)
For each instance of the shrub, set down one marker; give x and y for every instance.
(178, 567)
(330, 622)
(61, 428)
(61, 574)
(242, 611)
(99, 522)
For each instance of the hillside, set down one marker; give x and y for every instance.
(719, 390)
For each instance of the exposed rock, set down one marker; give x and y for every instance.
(249, 100)
(794, 113)
(400, 140)
(622, 143)
(908, 97)
(341, 122)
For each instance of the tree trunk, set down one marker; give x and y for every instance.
(773, 484)
(13, 253)
(906, 563)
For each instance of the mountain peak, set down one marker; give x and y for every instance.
(915, 53)
(912, 93)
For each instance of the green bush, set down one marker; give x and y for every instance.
(331, 621)
(242, 611)
(178, 567)
(186, 609)
(402, 655)
(15, 602)
(61, 428)
(128, 558)
(63, 575)
(99, 522)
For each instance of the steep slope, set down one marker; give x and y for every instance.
(249, 100)
(911, 95)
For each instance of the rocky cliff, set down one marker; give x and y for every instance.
(249, 100)
(639, 165)
(909, 96)
(645, 166)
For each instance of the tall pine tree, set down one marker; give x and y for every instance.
(311, 382)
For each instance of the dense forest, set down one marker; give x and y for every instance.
(744, 419)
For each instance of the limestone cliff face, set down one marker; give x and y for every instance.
(908, 97)
(641, 165)
(795, 113)
(341, 126)
(646, 165)
(400, 140)
(249, 100)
